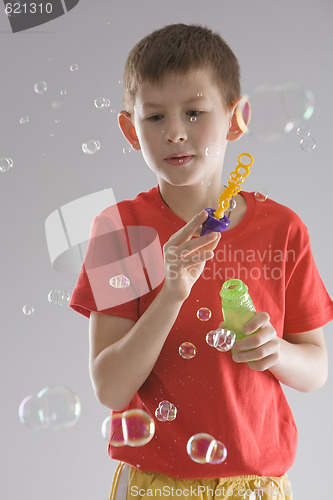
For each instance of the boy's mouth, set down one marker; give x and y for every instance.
(178, 158)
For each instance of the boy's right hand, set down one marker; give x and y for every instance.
(185, 257)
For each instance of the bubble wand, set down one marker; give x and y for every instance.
(216, 220)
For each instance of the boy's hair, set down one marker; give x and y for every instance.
(179, 48)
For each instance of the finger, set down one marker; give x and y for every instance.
(187, 231)
(264, 364)
(259, 320)
(256, 354)
(194, 259)
(199, 244)
(262, 336)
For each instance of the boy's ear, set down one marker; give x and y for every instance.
(128, 129)
(240, 117)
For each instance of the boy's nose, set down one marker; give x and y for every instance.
(176, 132)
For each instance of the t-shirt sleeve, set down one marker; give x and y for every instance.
(109, 277)
(308, 304)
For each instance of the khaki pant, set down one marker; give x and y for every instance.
(132, 484)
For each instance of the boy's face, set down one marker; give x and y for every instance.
(182, 126)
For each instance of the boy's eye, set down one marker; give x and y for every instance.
(154, 118)
(194, 112)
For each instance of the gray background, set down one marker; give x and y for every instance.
(276, 42)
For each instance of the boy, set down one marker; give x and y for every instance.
(181, 90)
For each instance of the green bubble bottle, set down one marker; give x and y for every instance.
(237, 306)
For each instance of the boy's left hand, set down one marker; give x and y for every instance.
(261, 350)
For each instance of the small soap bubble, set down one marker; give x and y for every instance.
(61, 407)
(308, 143)
(90, 147)
(60, 297)
(212, 151)
(261, 195)
(138, 427)
(74, 67)
(40, 87)
(204, 314)
(5, 164)
(57, 121)
(199, 94)
(187, 350)
(105, 429)
(193, 119)
(127, 150)
(29, 412)
(24, 120)
(303, 131)
(120, 281)
(166, 411)
(63, 92)
(232, 204)
(28, 310)
(210, 337)
(102, 102)
(222, 339)
(203, 448)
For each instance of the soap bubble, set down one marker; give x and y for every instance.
(187, 350)
(232, 205)
(59, 297)
(24, 120)
(90, 147)
(60, 407)
(127, 150)
(212, 151)
(203, 448)
(308, 143)
(102, 102)
(303, 131)
(297, 101)
(204, 313)
(193, 119)
(277, 109)
(166, 411)
(28, 310)
(40, 87)
(29, 412)
(261, 195)
(5, 164)
(106, 427)
(54, 408)
(74, 67)
(138, 427)
(268, 118)
(120, 281)
(222, 339)
(63, 92)
(132, 428)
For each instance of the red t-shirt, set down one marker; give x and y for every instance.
(245, 409)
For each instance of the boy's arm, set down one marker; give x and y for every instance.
(302, 363)
(297, 360)
(123, 352)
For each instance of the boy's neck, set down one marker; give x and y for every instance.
(187, 201)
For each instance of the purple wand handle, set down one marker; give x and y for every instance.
(212, 224)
